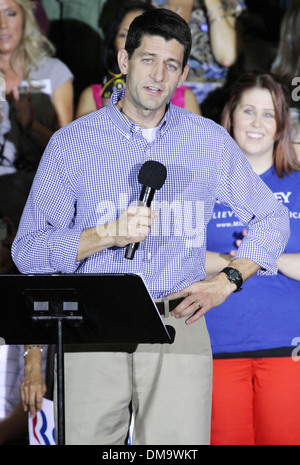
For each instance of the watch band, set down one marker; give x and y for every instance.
(234, 276)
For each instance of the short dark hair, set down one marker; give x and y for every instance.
(108, 57)
(163, 23)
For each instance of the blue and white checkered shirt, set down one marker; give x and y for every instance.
(89, 174)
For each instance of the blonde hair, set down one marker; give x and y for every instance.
(34, 45)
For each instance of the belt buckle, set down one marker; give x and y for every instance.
(166, 303)
(166, 307)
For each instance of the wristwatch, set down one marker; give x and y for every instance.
(234, 276)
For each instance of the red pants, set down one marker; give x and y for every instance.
(256, 401)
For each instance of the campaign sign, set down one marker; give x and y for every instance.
(41, 427)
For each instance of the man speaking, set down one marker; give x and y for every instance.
(96, 161)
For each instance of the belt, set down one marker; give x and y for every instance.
(165, 306)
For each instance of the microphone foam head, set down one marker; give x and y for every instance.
(152, 174)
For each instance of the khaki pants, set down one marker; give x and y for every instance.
(167, 386)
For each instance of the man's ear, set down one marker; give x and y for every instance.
(183, 76)
(123, 60)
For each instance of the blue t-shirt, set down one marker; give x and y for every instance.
(266, 313)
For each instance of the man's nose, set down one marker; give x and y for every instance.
(158, 72)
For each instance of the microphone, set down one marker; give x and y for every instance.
(152, 176)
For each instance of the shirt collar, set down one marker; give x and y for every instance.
(125, 124)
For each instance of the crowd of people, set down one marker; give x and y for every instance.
(229, 377)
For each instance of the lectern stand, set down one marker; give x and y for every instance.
(78, 308)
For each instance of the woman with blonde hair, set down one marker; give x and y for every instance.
(27, 64)
(34, 44)
(38, 100)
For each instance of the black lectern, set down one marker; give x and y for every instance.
(78, 308)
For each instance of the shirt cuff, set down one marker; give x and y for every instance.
(63, 247)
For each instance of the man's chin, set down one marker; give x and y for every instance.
(157, 104)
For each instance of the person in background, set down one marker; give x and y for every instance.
(96, 96)
(41, 17)
(13, 418)
(166, 387)
(287, 64)
(8, 231)
(256, 379)
(37, 100)
(38, 87)
(76, 28)
(217, 42)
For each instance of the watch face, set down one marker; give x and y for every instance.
(234, 274)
